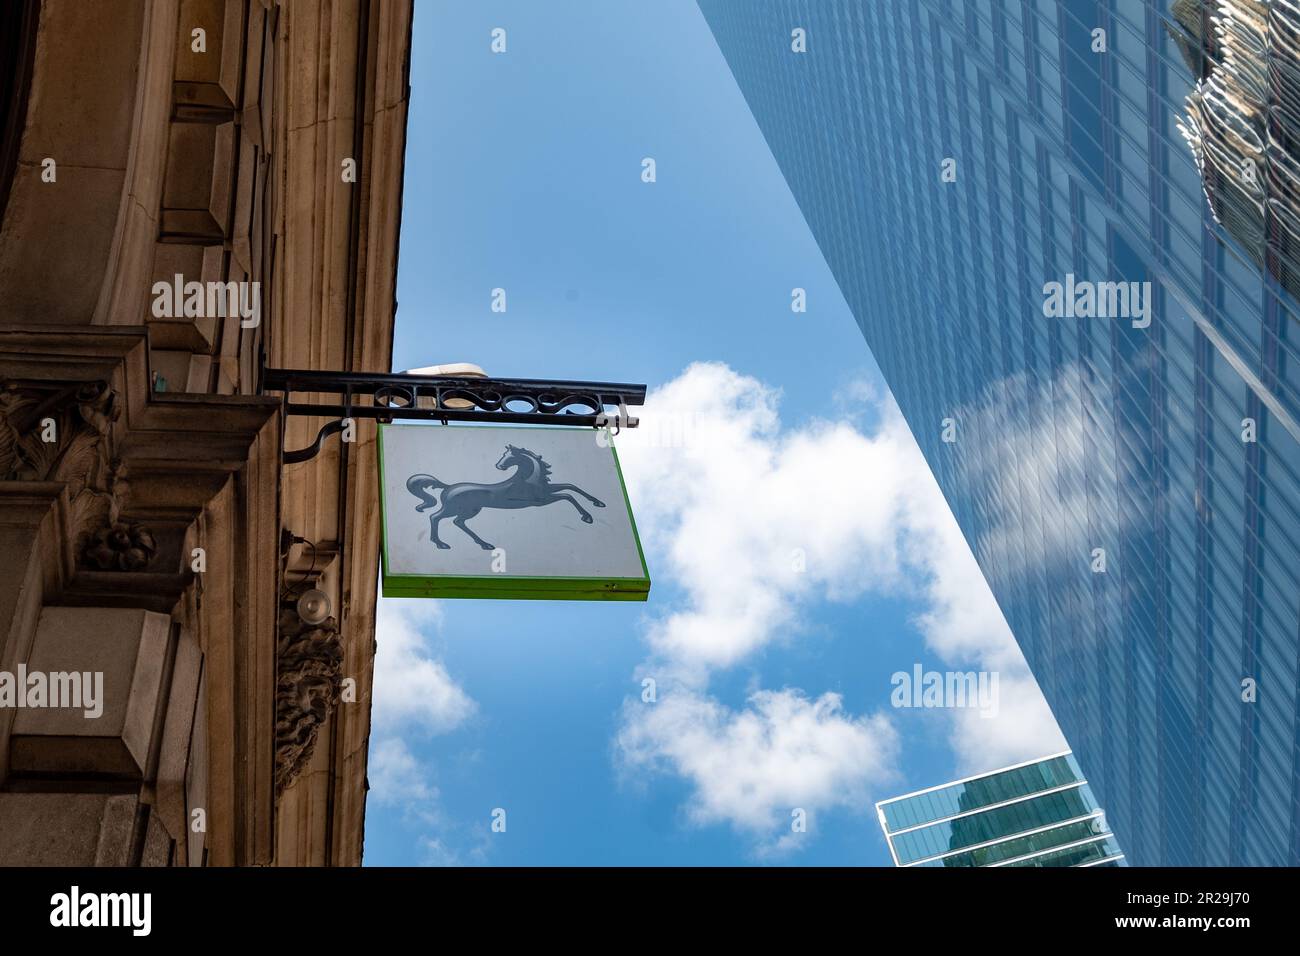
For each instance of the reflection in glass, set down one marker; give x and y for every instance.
(1242, 122)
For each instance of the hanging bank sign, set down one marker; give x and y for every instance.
(497, 512)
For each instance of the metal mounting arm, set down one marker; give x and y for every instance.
(388, 397)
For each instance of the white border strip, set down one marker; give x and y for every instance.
(993, 806)
(1055, 849)
(987, 773)
(889, 839)
(1014, 836)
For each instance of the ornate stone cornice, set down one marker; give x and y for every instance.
(204, 473)
(63, 432)
(52, 431)
(309, 681)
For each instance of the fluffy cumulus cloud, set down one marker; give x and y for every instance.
(965, 626)
(412, 686)
(753, 766)
(752, 521)
(1023, 729)
(414, 696)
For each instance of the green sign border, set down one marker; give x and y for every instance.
(513, 587)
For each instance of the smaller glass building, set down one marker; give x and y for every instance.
(1039, 813)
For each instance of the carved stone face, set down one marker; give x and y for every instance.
(310, 662)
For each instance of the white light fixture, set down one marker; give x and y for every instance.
(314, 607)
(457, 369)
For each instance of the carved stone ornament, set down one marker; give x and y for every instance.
(310, 665)
(62, 432)
(120, 546)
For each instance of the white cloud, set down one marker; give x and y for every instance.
(1008, 421)
(412, 687)
(734, 509)
(727, 515)
(414, 696)
(1024, 728)
(395, 776)
(964, 624)
(753, 767)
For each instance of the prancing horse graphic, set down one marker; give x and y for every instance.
(529, 487)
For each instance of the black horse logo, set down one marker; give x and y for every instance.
(529, 487)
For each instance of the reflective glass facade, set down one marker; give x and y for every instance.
(1036, 814)
(1128, 473)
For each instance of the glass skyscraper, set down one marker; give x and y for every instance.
(1068, 230)
(1040, 813)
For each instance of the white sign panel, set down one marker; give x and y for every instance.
(490, 511)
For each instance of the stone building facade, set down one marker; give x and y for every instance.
(149, 530)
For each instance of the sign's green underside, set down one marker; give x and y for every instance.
(517, 588)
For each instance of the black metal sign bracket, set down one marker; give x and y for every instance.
(389, 397)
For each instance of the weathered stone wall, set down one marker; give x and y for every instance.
(152, 535)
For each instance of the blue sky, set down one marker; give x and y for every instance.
(523, 172)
